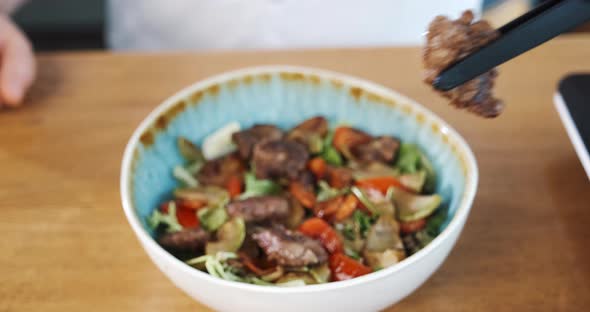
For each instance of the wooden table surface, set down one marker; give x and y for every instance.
(65, 244)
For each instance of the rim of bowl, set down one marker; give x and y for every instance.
(466, 201)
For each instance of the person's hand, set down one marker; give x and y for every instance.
(17, 63)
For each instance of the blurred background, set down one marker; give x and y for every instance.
(79, 25)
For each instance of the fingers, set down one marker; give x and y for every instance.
(17, 67)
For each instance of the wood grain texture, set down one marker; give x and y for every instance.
(66, 246)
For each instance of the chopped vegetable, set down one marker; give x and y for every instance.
(329, 153)
(413, 181)
(304, 196)
(328, 208)
(217, 266)
(352, 253)
(319, 229)
(277, 273)
(292, 283)
(347, 208)
(318, 167)
(344, 267)
(253, 267)
(213, 217)
(230, 237)
(364, 199)
(363, 221)
(412, 226)
(299, 206)
(220, 143)
(410, 159)
(426, 165)
(332, 157)
(412, 207)
(382, 184)
(234, 186)
(167, 218)
(435, 221)
(321, 273)
(189, 151)
(315, 144)
(374, 170)
(296, 214)
(212, 195)
(296, 279)
(192, 204)
(384, 234)
(378, 260)
(255, 187)
(327, 192)
(187, 217)
(182, 175)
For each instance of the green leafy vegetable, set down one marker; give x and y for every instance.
(213, 217)
(168, 219)
(408, 158)
(411, 159)
(185, 177)
(255, 187)
(363, 221)
(327, 192)
(329, 153)
(348, 231)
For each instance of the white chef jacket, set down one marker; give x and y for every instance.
(267, 24)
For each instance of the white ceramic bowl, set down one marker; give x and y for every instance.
(286, 95)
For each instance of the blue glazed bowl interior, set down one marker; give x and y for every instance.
(285, 99)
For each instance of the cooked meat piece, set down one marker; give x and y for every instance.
(449, 41)
(185, 240)
(218, 171)
(317, 124)
(340, 177)
(246, 139)
(279, 159)
(381, 149)
(310, 133)
(307, 179)
(290, 248)
(257, 209)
